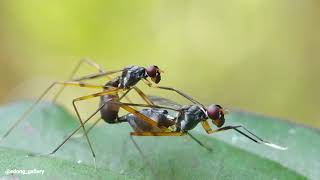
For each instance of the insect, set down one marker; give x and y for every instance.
(190, 116)
(111, 91)
(187, 118)
(155, 120)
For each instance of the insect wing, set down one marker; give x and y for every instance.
(165, 102)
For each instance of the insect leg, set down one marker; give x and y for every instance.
(129, 104)
(88, 62)
(75, 70)
(140, 93)
(102, 72)
(142, 117)
(28, 111)
(206, 127)
(143, 96)
(146, 105)
(129, 109)
(93, 125)
(84, 122)
(71, 134)
(144, 157)
(174, 90)
(157, 134)
(256, 139)
(112, 91)
(199, 142)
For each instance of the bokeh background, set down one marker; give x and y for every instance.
(259, 56)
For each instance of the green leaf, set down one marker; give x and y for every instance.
(302, 142)
(117, 158)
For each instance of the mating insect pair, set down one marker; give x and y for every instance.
(154, 120)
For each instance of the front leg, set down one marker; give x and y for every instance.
(258, 140)
(174, 90)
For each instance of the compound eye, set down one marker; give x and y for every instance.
(156, 79)
(214, 112)
(152, 71)
(219, 122)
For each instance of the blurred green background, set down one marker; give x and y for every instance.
(260, 56)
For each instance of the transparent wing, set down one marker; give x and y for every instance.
(163, 101)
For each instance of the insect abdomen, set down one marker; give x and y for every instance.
(109, 113)
(141, 126)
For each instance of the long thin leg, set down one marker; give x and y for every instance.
(199, 142)
(125, 107)
(143, 96)
(86, 61)
(174, 90)
(130, 104)
(79, 117)
(77, 129)
(137, 146)
(140, 93)
(97, 75)
(208, 129)
(169, 134)
(84, 131)
(101, 73)
(144, 157)
(84, 122)
(92, 76)
(88, 129)
(28, 111)
(131, 110)
(151, 134)
(146, 105)
(93, 125)
(157, 134)
(97, 121)
(258, 140)
(75, 70)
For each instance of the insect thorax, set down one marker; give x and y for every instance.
(190, 117)
(131, 75)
